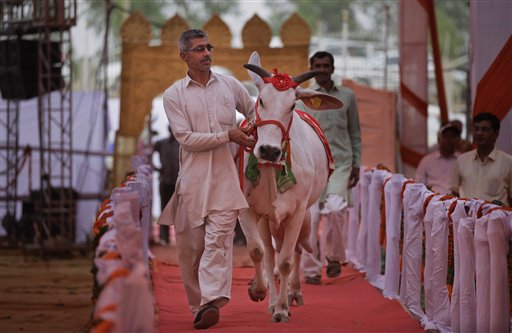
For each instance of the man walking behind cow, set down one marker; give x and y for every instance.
(204, 207)
(341, 128)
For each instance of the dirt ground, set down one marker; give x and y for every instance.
(54, 295)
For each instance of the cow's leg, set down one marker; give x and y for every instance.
(263, 227)
(294, 292)
(249, 223)
(285, 264)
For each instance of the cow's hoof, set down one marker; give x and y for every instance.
(256, 296)
(280, 318)
(297, 297)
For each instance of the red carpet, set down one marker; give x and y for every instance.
(344, 304)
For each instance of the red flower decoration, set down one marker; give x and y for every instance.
(281, 81)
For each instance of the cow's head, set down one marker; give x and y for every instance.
(275, 106)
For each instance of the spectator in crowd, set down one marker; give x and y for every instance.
(168, 151)
(463, 145)
(341, 128)
(436, 169)
(485, 172)
(201, 109)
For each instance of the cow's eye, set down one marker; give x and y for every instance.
(261, 103)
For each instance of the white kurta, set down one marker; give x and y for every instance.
(200, 118)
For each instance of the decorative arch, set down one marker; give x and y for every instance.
(147, 70)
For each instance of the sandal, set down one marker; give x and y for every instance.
(206, 317)
(333, 268)
(315, 279)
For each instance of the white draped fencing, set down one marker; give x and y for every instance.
(427, 238)
(122, 296)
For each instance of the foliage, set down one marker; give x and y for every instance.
(156, 11)
(453, 27)
(196, 13)
(323, 16)
(95, 12)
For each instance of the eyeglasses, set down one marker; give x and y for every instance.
(200, 48)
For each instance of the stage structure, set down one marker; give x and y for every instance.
(148, 69)
(35, 61)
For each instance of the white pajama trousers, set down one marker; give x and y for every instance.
(332, 242)
(205, 256)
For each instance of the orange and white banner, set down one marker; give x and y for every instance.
(491, 63)
(413, 84)
(378, 142)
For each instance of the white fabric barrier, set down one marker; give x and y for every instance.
(430, 200)
(393, 201)
(353, 224)
(410, 287)
(440, 299)
(459, 213)
(499, 233)
(121, 257)
(373, 250)
(482, 231)
(362, 235)
(482, 265)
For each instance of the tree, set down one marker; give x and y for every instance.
(323, 16)
(156, 12)
(453, 27)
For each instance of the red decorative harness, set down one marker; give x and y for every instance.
(281, 81)
(285, 143)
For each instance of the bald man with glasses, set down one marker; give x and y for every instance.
(201, 109)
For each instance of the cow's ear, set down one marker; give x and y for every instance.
(318, 101)
(254, 59)
(258, 81)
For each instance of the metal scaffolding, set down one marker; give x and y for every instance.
(44, 28)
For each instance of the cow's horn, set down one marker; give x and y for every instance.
(258, 70)
(305, 76)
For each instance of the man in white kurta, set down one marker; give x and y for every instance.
(204, 208)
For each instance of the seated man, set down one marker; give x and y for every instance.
(485, 172)
(436, 169)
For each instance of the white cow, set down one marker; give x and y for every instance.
(287, 149)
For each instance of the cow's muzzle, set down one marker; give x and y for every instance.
(270, 153)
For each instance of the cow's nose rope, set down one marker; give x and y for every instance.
(285, 141)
